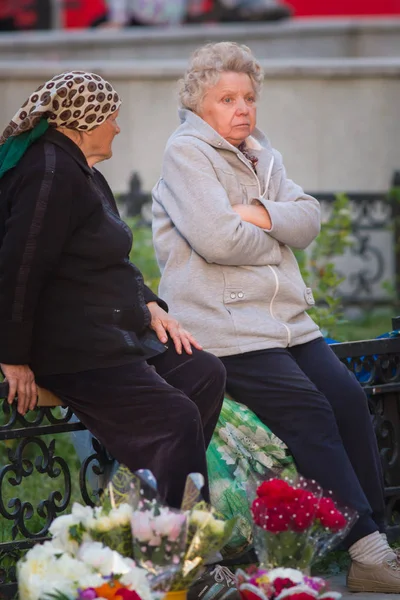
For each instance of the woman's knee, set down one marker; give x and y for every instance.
(210, 368)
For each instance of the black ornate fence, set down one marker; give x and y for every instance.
(370, 264)
(26, 452)
(29, 448)
(377, 364)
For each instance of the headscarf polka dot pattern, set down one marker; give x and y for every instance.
(76, 100)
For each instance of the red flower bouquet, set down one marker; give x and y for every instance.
(282, 584)
(296, 523)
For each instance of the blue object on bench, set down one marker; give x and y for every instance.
(363, 375)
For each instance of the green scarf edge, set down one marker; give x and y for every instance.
(15, 147)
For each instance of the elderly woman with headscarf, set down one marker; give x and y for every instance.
(75, 315)
(226, 216)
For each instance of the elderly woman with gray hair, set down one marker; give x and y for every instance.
(75, 315)
(225, 217)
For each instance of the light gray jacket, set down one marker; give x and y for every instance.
(237, 288)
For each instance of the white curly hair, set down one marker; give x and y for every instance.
(205, 68)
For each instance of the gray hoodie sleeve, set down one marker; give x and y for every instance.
(295, 216)
(199, 207)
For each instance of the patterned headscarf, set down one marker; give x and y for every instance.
(76, 100)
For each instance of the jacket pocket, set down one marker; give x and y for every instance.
(247, 283)
(125, 318)
(232, 187)
(114, 330)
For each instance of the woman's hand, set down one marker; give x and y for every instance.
(163, 324)
(255, 214)
(21, 383)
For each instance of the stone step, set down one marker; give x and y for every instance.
(303, 38)
(338, 584)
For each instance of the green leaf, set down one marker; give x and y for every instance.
(57, 595)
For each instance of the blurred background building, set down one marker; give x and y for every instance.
(16, 15)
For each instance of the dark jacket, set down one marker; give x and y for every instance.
(70, 299)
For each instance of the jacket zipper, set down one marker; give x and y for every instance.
(289, 336)
(255, 175)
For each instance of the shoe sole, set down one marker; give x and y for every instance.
(360, 585)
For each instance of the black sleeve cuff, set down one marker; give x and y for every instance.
(150, 296)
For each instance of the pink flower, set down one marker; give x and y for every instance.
(87, 594)
(141, 524)
(169, 524)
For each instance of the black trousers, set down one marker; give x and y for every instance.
(158, 415)
(312, 402)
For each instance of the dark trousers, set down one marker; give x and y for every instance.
(158, 415)
(312, 402)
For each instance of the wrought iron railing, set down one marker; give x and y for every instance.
(376, 363)
(26, 451)
(369, 264)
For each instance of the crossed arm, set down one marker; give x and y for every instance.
(199, 207)
(256, 214)
(239, 235)
(292, 218)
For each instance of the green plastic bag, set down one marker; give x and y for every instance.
(242, 449)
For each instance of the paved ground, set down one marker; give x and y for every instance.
(338, 584)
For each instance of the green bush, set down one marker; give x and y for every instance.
(318, 269)
(142, 254)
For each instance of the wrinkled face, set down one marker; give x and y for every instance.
(230, 107)
(102, 137)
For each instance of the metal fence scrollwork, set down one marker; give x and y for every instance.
(29, 453)
(370, 264)
(376, 363)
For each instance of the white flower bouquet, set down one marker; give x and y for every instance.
(170, 545)
(82, 572)
(111, 527)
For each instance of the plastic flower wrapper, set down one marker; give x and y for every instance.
(108, 523)
(333, 521)
(294, 523)
(208, 532)
(281, 584)
(158, 532)
(113, 525)
(283, 514)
